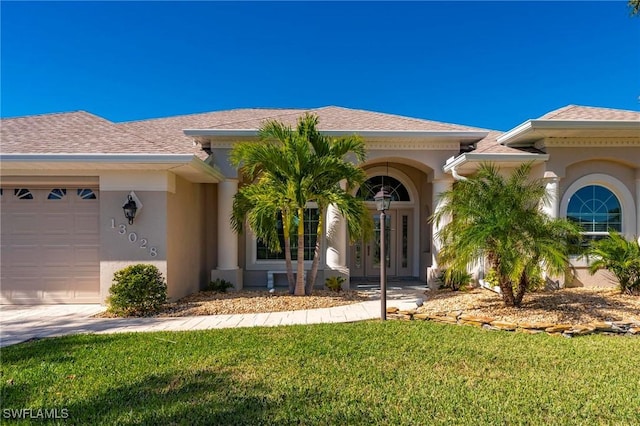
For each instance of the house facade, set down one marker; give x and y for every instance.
(65, 177)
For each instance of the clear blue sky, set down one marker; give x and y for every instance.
(487, 64)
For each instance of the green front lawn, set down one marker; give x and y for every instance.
(362, 373)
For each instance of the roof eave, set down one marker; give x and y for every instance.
(454, 134)
(473, 159)
(188, 166)
(531, 131)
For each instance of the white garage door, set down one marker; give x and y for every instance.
(50, 244)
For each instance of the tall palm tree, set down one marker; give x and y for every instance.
(335, 163)
(289, 169)
(499, 219)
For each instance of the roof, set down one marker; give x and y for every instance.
(577, 112)
(77, 132)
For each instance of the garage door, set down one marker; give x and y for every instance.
(50, 243)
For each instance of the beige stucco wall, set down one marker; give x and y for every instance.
(122, 244)
(188, 265)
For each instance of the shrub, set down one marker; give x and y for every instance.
(454, 279)
(137, 290)
(334, 283)
(219, 285)
(619, 256)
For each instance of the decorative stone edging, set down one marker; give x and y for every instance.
(629, 328)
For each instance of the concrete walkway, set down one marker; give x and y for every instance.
(21, 323)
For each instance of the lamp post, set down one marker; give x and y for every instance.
(383, 201)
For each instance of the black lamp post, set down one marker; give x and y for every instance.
(383, 202)
(130, 209)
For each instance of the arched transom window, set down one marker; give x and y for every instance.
(393, 186)
(596, 209)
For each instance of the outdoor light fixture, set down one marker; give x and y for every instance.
(383, 202)
(130, 209)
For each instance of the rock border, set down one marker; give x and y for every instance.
(625, 328)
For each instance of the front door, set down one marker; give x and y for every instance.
(366, 255)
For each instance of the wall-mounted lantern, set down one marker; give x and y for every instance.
(130, 208)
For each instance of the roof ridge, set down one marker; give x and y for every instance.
(50, 114)
(407, 118)
(550, 115)
(297, 111)
(191, 114)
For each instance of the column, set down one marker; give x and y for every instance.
(336, 234)
(438, 187)
(638, 204)
(552, 187)
(227, 239)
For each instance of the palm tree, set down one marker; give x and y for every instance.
(620, 256)
(332, 167)
(499, 219)
(289, 169)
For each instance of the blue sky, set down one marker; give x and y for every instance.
(487, 64)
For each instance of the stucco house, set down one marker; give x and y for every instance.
(65, 178)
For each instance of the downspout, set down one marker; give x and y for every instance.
(455, 174)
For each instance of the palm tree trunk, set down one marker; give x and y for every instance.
(522, 288)
(311, 279)
(299, 291)
(507, 292)
(287, 250)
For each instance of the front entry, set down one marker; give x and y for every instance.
(365, 255)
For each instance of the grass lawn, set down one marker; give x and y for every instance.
(362, 373)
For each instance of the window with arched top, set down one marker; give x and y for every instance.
(394, 187)
(596, 209)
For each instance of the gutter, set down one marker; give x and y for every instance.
(531, 126)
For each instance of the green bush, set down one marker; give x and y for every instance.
(454, 279)
(619, 256)
(219, 285)
(137, 290)
(334, 283)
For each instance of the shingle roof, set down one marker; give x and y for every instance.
(577, 112)
(76, 133)
(490, 145)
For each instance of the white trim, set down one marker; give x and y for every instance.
(492, 158)
(528, 130)
(614, 185)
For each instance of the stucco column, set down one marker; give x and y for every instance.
(336, 234)
(438, 187)
(227, 239)
(638, 204)
(552, 186)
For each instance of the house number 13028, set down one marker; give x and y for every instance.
(133, 238)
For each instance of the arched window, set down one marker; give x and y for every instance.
(394, 187)
(596, 209)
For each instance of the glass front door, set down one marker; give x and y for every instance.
(366, 258)
(373, 254)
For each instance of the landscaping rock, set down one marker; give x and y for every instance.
(529, 331)
(504, 325)
(580, 330)
(475, 318)
(535, 325)
(634, 330)
(454, 314)
(392, 310)
(421, 317)
(445, 320)
(558, 328)
(601, 325)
